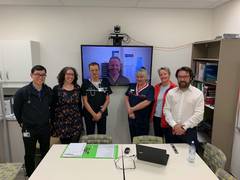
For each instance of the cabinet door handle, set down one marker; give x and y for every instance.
(1, 75)
(7, 76)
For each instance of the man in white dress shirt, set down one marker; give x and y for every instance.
(184, 109)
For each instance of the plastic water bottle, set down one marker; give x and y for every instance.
(192, 152)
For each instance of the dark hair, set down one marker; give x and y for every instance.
(38, 68)
(186, 69)
(93, 64)
(115, 57)
(62, 73)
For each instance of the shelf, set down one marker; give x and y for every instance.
(208, 41)
(221, 58)
(206, 59)
(203, 137)
(209, 106)
(206, 125)
(205, 82)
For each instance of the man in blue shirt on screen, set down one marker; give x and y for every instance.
(115, 76)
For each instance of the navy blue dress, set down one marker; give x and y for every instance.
(140, 125)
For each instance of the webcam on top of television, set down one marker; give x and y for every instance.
(117, 29)
(118, 37)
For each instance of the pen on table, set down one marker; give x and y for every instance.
(174, 148)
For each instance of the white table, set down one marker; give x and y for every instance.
(178, 168)
(52, 167)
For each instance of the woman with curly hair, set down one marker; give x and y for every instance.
(67, 107)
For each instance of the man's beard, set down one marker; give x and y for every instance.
(183, 84)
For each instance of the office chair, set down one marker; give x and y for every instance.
(147, 140)
(224, 175)
(214, 157)
(96, 139)
(9, 171)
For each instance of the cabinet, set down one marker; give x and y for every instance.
(16, 141)
(17, 59)
(1, 142)
(16, 151)
(215, 64)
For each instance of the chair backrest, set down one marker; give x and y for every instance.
(54, 140)
(9, 170)
(224, 175)
(147, 140)
(96, 139)
(214, 157)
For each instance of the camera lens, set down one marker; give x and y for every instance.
(117, 29)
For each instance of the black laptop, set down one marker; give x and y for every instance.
(153, 155)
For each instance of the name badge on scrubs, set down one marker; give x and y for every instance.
(26, 134)
(101, 89)
(131, 91)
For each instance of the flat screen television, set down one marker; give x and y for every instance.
(117, 63)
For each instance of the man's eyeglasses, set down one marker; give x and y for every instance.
(183, 77)
(129, 162)
(39, 75)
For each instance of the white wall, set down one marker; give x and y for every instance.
(61, 30)
(226, 19)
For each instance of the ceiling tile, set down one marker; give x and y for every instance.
(101, 3)
(31, 2)
(119, 3)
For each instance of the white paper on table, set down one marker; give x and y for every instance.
(74, 150)
(105, 151)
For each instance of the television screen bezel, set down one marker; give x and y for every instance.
(91, 45)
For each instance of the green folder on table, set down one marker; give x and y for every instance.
(100, 151)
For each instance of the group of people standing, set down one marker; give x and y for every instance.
(41, 112)
(175, 110)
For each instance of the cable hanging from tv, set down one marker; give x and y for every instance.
(119, 37)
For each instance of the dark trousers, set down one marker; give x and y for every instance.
(188, 137)
(42, 135)
(138, 127)
(158, 131)
(90, 125)
(73, 139)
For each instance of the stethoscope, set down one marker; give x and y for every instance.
(93, 90)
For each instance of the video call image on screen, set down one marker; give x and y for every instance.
(118, 64)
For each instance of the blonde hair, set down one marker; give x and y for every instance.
(142, 71)
(165, 69)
